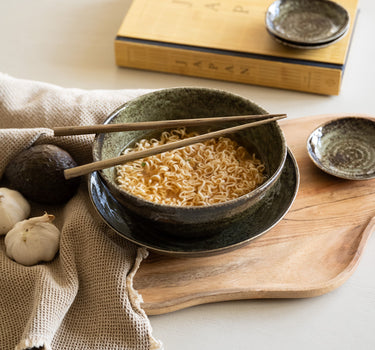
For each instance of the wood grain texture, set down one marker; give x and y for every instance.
(247, 70)
(226, 40)
(226, 24)
(313, 250)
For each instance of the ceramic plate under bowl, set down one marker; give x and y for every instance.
(345, 147)
(307, 21)
(254, 222)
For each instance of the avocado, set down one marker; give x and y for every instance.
(38, 173)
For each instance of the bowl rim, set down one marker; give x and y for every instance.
(320, 165)
(244, 198)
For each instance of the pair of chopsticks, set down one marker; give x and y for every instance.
(105, 128)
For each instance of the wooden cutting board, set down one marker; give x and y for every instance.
(313, 250)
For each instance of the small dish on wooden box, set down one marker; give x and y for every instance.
(345, 147)
(307, 23)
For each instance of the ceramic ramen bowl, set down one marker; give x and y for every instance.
(345, 147)
(266, 141)
(304, 23)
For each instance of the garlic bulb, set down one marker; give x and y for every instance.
(33, 240)
(13, 208)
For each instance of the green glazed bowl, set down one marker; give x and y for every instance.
(267, 141)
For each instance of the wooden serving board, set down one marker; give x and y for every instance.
(313, 250)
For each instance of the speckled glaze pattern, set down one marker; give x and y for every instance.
(345, 148)
(251, 224)
(309, 22)
(267, 141)
(305, 46)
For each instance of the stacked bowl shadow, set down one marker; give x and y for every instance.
(307, 24)
(200, 230)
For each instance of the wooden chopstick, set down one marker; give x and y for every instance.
(104, 128)
(107, 163)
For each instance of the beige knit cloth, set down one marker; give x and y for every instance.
(83, 299)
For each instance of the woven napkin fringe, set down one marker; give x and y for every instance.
(136, 298)
(34, 343)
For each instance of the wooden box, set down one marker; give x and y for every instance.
(226, 40)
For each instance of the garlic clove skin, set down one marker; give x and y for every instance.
(32, 241)
(13, 208)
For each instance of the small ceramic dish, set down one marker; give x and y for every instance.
(253, 223)
(308, 22)
(345, 147)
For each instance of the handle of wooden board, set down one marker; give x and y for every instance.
(107, 163)
(370, 227)
(104, 128)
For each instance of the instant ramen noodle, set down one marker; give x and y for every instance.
(205, 173)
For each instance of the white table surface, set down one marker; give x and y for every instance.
(70, 43)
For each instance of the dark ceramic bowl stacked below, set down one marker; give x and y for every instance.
(307, 24)
(202, 230)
